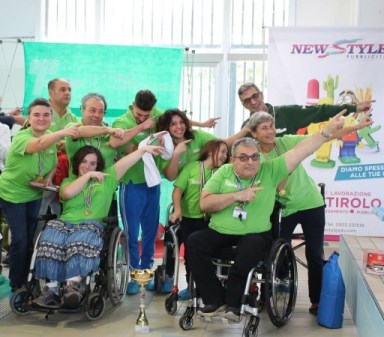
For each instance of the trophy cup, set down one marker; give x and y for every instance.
(142, 277)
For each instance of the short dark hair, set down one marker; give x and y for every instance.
(212, 146)
(80, 155)
(165, 120)
(36, 102)
(145, 100)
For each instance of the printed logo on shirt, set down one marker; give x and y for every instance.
(193, 181)
(229, 183)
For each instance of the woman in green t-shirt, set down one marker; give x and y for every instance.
(188, 142)
(76, 236)
(31, 157)
(187, 189)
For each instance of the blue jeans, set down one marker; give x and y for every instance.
(22, 222)
(140, 204)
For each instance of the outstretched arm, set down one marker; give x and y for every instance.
(309, 145)
(45, 141)
(131, 159)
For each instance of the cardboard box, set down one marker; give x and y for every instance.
(374, 261)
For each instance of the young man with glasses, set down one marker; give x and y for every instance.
(240, 197)
(290, 118)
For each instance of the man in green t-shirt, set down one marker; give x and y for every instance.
(290, 118)
(240, 197)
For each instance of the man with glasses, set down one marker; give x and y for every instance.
(290, 118)
(240, 197)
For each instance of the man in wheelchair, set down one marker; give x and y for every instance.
(240, 197)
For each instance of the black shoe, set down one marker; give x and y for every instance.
(72, 297)
(232, 314)
(210, 310)
(314, 309)
(47, 300)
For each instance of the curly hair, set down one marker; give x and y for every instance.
(82, 153)
(165, 120)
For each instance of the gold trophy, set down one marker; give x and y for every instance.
(142, 277)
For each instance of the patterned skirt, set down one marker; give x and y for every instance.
(66, 250)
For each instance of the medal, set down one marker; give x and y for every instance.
(282, 192)
(87, 212)
(87, 195)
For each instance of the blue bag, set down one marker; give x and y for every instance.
(332, 297)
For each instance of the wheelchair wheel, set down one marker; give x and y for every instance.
(95, 307)
(117, 266)
(171, 303)
(251, 329)
(186, 322)
(281, 282)
(20, 302)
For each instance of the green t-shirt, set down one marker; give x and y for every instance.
(189, 181)
(100, 142)
(295, 117)
(301, 192)
(102, 194)
(193, 152)
(60, 123)
(22, 167)
(258, 210)
(128, 121)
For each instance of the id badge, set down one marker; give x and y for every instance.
(239, 213)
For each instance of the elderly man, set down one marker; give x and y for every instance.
(290, 118)
(240, 197)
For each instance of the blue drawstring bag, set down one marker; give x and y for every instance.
(332, 297)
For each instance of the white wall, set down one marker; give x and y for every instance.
(339, 13)
(20, 19)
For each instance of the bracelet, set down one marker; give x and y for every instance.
(324, 134)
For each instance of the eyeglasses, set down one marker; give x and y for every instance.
(254, 97)
(244, 158)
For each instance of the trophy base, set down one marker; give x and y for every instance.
(142, 329)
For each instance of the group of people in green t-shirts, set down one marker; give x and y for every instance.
(208, 191)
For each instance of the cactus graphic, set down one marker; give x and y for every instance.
(330, 85)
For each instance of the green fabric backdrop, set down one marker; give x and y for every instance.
(117, 72)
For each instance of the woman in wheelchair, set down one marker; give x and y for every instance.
(240, 197)
(69, 248)
(187, 189)
(299, 195)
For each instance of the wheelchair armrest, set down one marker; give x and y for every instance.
(111, 220)
(46, 217)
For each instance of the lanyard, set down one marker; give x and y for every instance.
(41, 160)
(88, 198)
(89, 141)
(240, 188)
(202, 175)
(58, 120)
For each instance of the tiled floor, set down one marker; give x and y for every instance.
(120, 321)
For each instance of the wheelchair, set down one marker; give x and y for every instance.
(110, 281)
(276, 275)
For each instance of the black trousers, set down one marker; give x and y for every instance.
(312, 222)
(203, 245)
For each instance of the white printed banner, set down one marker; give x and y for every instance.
(337, 66)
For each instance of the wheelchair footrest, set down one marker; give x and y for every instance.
(247, 309)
